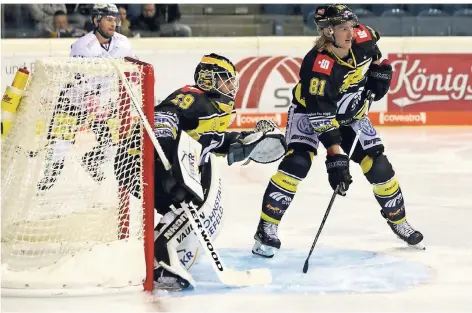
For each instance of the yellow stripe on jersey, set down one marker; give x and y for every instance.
(298, 94)
(388, 188)
(341, 61)
(217, 123)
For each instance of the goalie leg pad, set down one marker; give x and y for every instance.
(379, 172)
(170, 273)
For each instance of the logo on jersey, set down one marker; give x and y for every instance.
(280, 197)
(304, 126)
(367, 127)
(362, 34)
(254, 73)
(323, 64)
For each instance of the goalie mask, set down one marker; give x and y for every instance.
(216, 75)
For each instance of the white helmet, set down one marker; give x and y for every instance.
(101, 10)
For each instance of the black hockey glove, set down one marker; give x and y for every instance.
(379, 78)
(337, 166)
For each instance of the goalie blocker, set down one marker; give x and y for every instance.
(190, 126)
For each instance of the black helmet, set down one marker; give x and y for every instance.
(213, 67)
(334, 14)
(101, 10)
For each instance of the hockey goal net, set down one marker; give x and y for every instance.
(77, 193)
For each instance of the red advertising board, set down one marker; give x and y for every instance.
(430, 82)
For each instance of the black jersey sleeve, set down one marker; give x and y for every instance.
(178, 112)
(368, 38)
(317, 92)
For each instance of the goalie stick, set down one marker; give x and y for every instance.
(227, 276)
(370, 98)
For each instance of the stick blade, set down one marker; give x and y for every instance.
(305, 266)
(253, 277)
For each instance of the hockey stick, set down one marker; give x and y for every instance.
(370, 96)
(227, 276)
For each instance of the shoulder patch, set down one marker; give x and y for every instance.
(323, 64)
(362, 34)
(191, 89)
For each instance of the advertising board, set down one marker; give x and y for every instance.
(429, 78)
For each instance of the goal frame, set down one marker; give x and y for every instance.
(147, 168)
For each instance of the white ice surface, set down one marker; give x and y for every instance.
(434, 166)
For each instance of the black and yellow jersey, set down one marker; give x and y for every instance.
(203, 117)
(328, 84)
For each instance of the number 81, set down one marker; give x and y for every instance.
(317, 86)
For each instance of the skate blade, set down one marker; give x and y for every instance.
(263, 250)
(170, 288)
(418, 246)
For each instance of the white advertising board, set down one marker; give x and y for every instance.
(268, 66)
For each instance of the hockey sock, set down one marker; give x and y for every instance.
(387, 192)
(283, 185)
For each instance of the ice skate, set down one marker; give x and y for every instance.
(165, 280)
(408, 234)
(266, 239)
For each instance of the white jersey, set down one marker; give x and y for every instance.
(89, 47)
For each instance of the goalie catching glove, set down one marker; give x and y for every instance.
(266, 144)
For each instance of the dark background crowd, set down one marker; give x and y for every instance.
(204, 20)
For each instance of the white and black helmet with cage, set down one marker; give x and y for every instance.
(104, 10)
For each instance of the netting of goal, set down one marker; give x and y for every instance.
(69, 225)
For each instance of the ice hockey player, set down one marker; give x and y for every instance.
(77, 106)
(204, 111)
(328, 106)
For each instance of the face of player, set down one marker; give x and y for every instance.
(227, 85)
(343, 34)
(108, 25)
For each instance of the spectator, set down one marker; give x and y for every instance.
(147, 23)
(75, 16)
(133, 10)
(169, 15)
(43, 14)
(125, 23)
(161, 20)
(62, 29)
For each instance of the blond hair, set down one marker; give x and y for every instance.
(322, 41)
